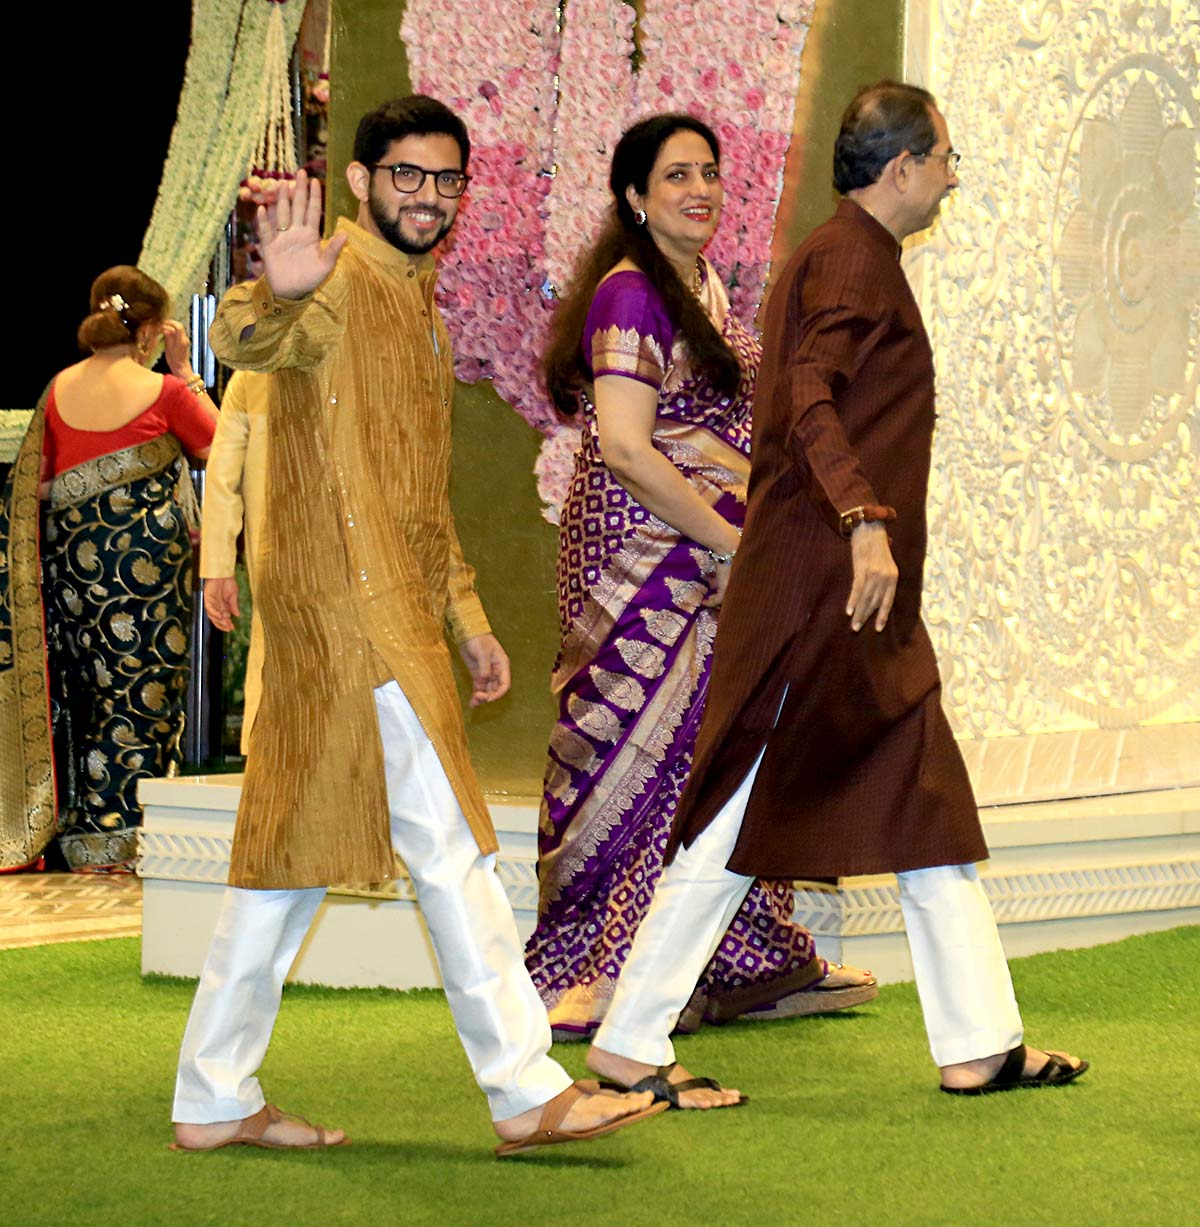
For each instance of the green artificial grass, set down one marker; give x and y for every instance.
(845, 1124)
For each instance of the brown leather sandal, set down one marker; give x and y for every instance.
(555, 1110)
(250, 1133)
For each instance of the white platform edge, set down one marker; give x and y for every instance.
(1062, 874)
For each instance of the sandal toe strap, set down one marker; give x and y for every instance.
(697, 1084)
(1055, 1070)
(662, 1090)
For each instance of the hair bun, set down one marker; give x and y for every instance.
(123, 298)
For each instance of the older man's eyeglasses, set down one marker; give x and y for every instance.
(408, 179)
(951, 160)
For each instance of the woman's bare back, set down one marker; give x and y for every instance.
(105, 394)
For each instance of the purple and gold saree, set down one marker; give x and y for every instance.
(631, 679)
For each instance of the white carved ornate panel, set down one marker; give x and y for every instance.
(1061, 289)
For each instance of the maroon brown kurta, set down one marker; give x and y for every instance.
(861, 773)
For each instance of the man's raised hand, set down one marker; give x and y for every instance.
(295, 258)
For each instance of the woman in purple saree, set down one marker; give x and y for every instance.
(645, 346)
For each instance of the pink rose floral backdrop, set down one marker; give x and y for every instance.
(546, 87)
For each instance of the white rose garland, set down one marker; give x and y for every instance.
(222, 113)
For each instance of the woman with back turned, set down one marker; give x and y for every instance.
(94, 650)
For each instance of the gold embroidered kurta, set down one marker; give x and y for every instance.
(359, 570)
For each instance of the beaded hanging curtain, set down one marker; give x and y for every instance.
(274, 156)
(276, 146)
(235, 80)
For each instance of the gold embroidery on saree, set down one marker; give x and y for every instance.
(154, 696)
(623, 692)
(27, 812)
(715, 301)
(545, 825)
(596, 720)
(639, 761)
(610, 595)
(625, 351)
(94, 477)
(664, 625)
(702, 454)
(145, 572)
(581, 1005)
(121, 626)
(643, 658)
(559, 786)
(574, 750)
(687, 593)
(133, 644)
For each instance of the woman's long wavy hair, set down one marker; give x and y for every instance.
(621, 238)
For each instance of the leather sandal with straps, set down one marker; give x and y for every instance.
(554, 1112)
(1011, 1075)
(251, 1130)
(668, 1092)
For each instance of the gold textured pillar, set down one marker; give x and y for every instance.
(851, 43)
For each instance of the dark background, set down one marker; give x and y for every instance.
(92, 101)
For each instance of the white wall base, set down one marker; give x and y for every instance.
(361, 937)
(1063, 874)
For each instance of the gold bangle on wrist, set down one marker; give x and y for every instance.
(196, 385)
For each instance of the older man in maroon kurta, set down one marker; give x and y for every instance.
(824, 749)
(861, 773)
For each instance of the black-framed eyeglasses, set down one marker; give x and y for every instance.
(951, 159)
(408, 179)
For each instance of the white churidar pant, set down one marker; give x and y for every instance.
(961, 972)
(500, 1019)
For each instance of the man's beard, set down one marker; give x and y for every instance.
(390, 229)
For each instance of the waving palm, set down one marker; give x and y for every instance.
(295, 258)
